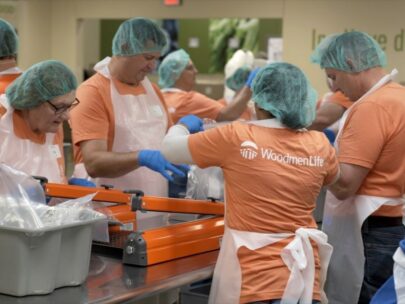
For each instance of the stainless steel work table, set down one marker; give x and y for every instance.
(110, 281)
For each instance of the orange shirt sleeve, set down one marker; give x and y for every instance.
(363, 136)
(90, 119)
(209, 148)
(199, 105)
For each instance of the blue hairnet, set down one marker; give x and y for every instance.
(283, 90)
(171, 68)
(238, 79)
(42, 81)
(138, 36)
(8, 39)
(361, 49)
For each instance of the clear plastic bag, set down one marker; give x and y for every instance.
(23, 205)
(205, 183)
(19, 193)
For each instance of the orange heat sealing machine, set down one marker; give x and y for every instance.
(155, 245)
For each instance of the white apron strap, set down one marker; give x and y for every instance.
(399, 274)
(299, 257)
(342, 223)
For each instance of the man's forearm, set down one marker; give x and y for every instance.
(110, 164)
(235, 109)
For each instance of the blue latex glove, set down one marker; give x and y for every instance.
(330, 135)
(193, 123)
(81, 182)
(155, 161)
(251, 77)
(401, 243)
(184, 167)
(386, 294)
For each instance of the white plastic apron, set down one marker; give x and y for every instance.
(342, 223)
(140, 123)
(399, 275)
(297, 255)
(25, 155)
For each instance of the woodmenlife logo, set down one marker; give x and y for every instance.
(249, 150)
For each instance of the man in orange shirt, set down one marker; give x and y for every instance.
(273, 170)
(120, 123)
(8, 55)
(177, 75)
(365, 205)
(31, 115)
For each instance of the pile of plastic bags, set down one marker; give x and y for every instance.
(23, 204)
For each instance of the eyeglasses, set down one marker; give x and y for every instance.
(63, 109)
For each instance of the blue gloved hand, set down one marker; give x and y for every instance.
(193, 123)
(330, 135)
(184, 167)
(155, 161)
(251, 77)
(81, 182)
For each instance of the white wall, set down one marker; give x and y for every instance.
(57, 28)
(89, 41)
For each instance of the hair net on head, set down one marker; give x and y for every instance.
(283, 90)
(359, 48)
(42, 81)
(138, 36)
(8, 39)
(238, 79)
(171, 68)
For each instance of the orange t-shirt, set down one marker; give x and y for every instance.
(374, 137)
(272, 179)
(94, 117)
(6, 80)
(184, 103)
(246, 115)
(23, 131)
(340, 99)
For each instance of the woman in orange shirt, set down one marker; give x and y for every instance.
(177, 76)
(273, 170)
(31, 115)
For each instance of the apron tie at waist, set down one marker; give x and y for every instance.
(299, 258)
(399, 273)
(298, 255)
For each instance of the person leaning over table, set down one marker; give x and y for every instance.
(119, 125)
(363, 210)
(31, 115)
(118, 128)
(273, 170)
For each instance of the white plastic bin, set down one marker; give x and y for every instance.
(38, 262)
